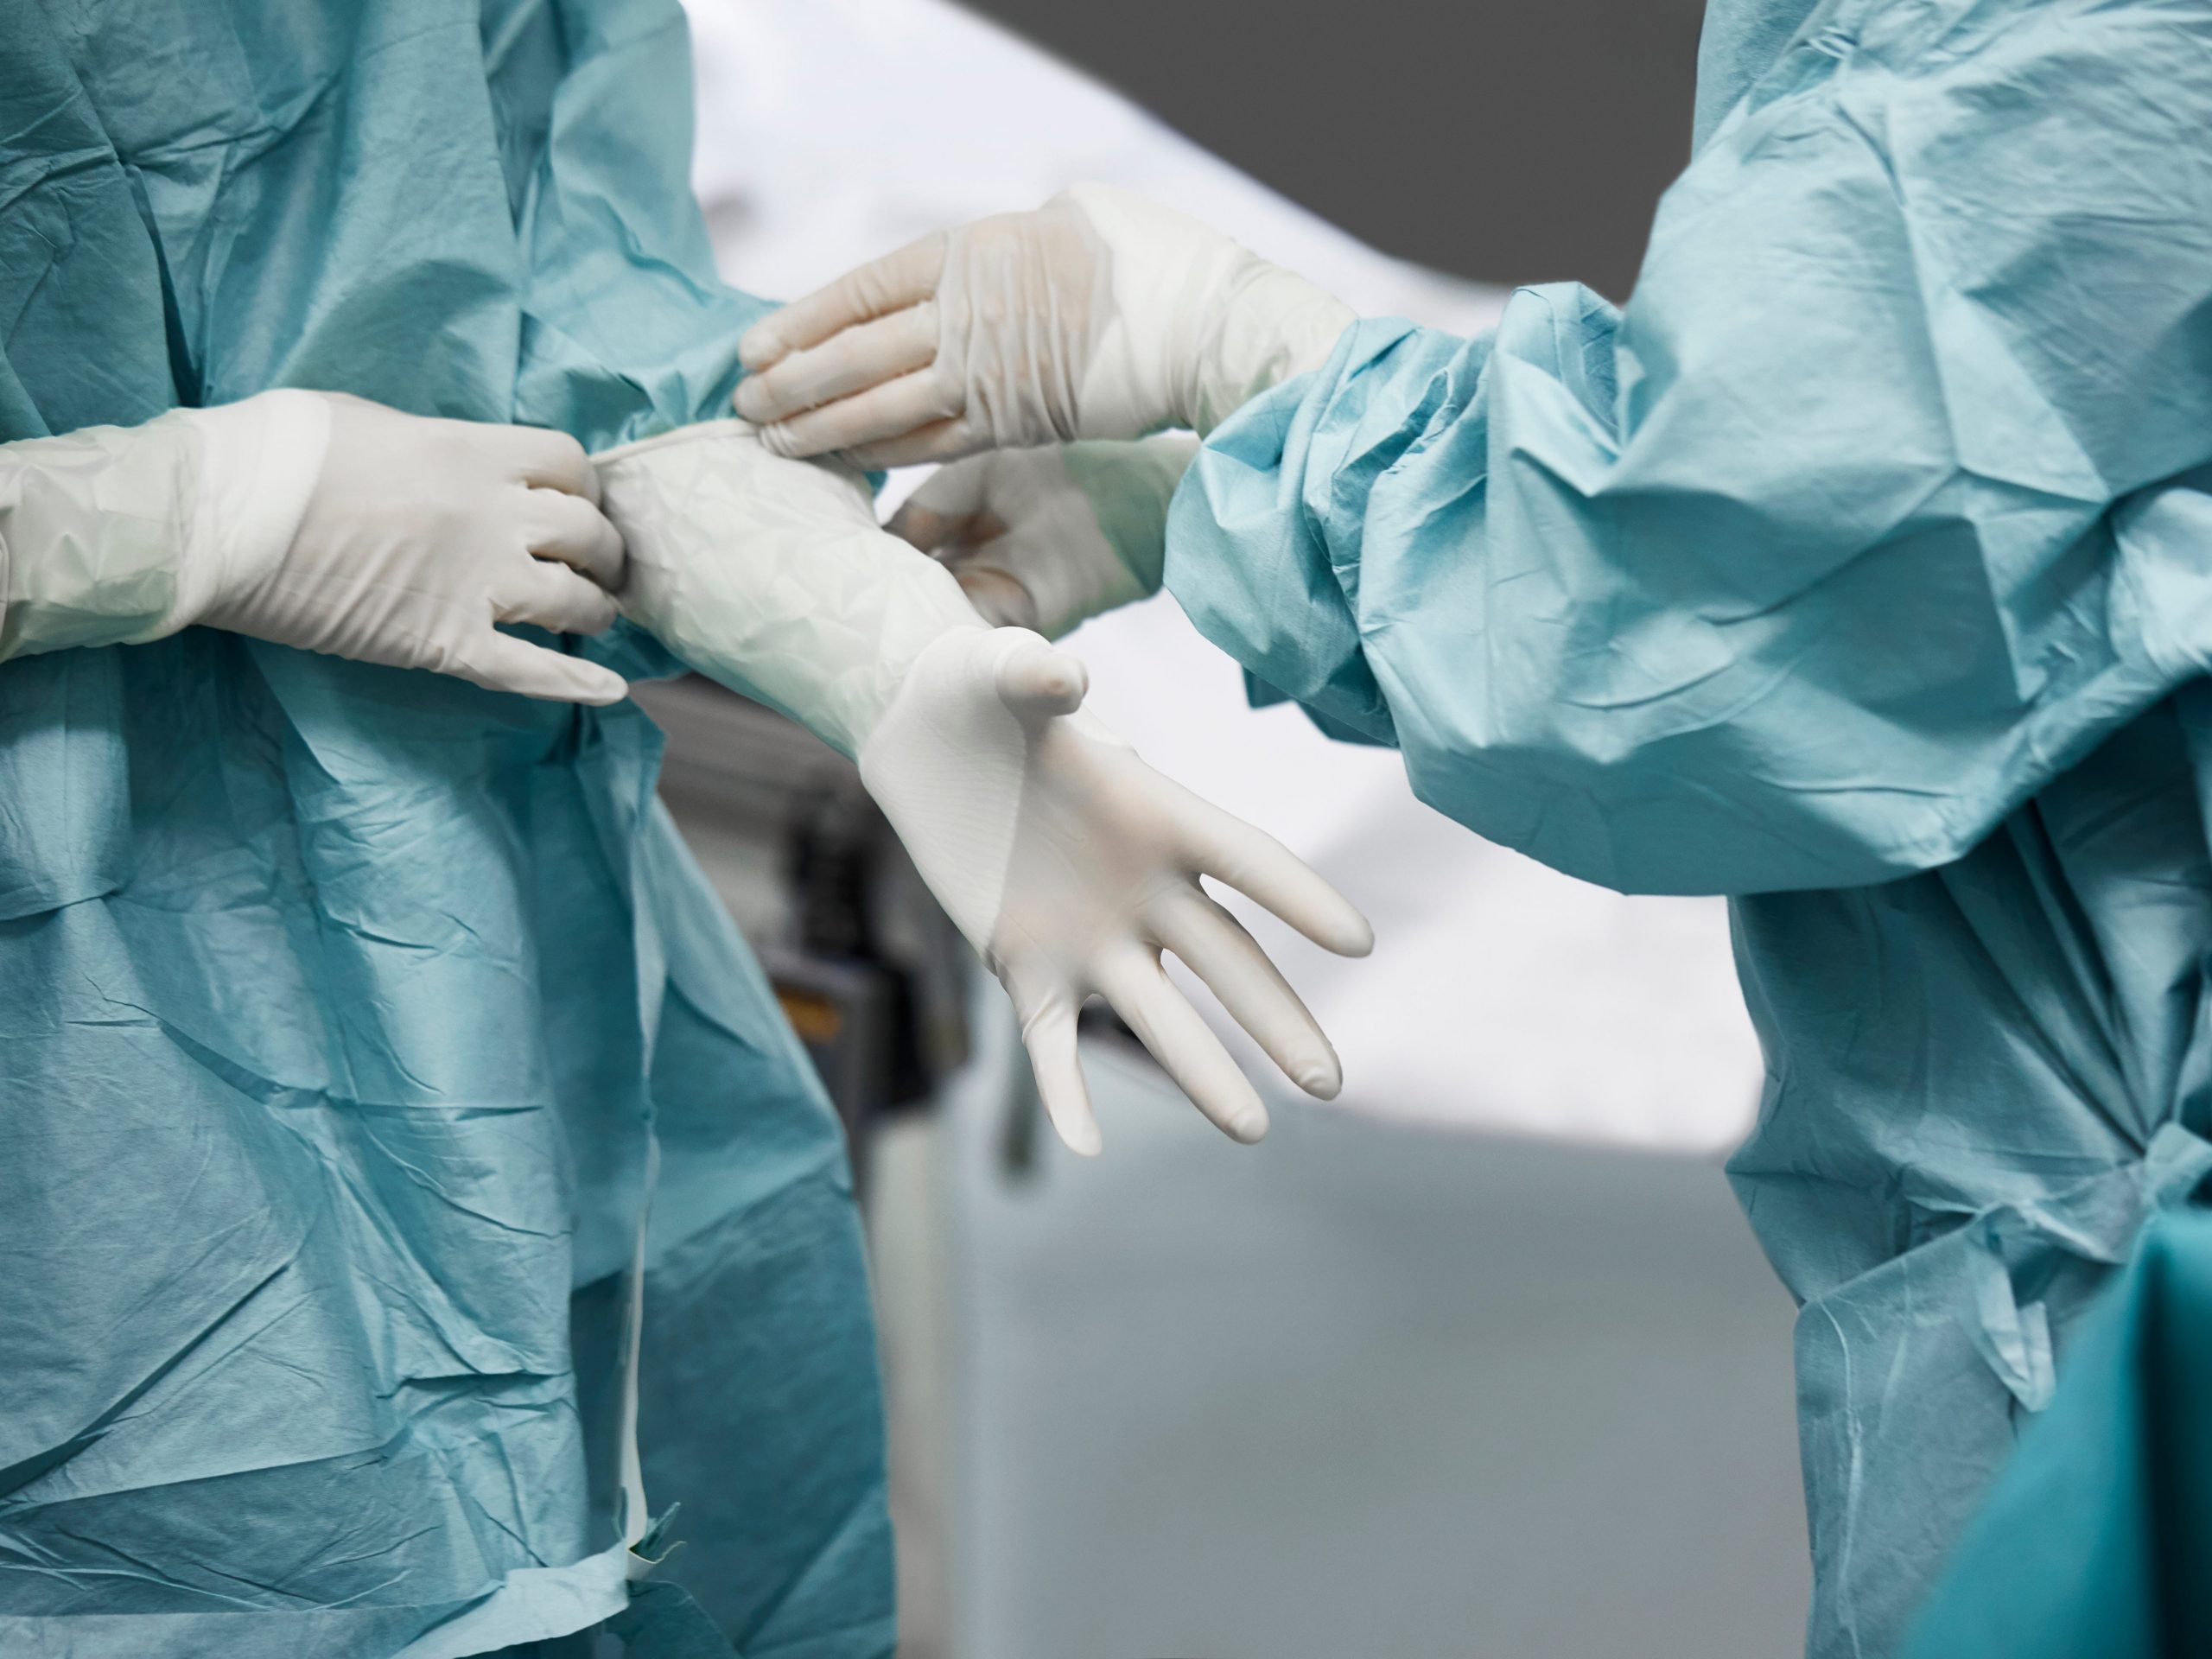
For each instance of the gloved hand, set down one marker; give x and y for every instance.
(1060, 855)
(1045, 539)
(1098, 315)
(316, 520)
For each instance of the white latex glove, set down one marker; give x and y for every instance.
(314, 520)
(1045, 539)
(1100, 315)
(1060, 855)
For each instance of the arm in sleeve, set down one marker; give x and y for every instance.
(773, 577)
(1883, 501)
(116, 535)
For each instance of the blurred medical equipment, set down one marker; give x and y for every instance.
(1196, 1398)
(856, 1011)
(869, 970)
(314, 520)
(1058, 853)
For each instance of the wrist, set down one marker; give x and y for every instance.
(830, 647)
(945, 761)
(1166, 273)
(256, 464)
(773, 577)
(1127, 488)
(1200, 324)
(1270, 326)
(92, 522)
(916, 611)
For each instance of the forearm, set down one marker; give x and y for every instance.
(820, 624)
(1872, 513)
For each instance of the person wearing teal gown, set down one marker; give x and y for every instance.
(389, 1115)
(2093, 1539)
(1855, 568)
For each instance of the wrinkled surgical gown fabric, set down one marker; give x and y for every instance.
(1861, 564)
(346, 1013)
(2095, 1539)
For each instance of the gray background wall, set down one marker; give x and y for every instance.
(1511, 141)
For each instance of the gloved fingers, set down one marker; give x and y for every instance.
(1130, 978)
(552, 596)
(891, 283)
(571, 529)
(505, 663)
(1036, 681)
(891, 409)
(1049, 1034)
(1213, 944)
(1221, 845)
(865, 355)
(953, 438)
(545, 460)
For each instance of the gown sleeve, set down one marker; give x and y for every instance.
(118, 534)
(1883, 501)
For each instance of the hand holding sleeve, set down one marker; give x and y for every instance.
(1100, 315)
(317, 521)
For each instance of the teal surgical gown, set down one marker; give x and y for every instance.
(1859, 568)
(368, 1041)
(2095, 1538)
